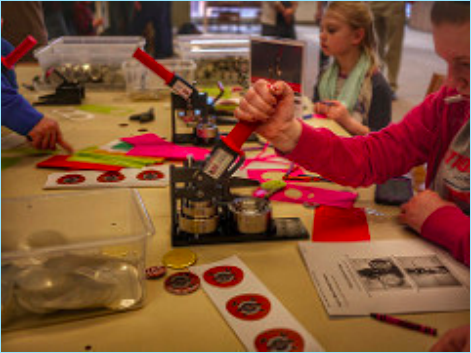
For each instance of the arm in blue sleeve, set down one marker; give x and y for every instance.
(17, 113)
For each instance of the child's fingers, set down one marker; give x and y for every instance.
(255, 100)
(253, 111)
(281, 90)
(245, 116)
(264, 90)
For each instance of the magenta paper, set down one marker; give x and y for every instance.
(296, 193)
(151, 145)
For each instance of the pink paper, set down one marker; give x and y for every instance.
(300, 194)
(145, 139)
(151, 145)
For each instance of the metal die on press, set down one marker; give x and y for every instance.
(198, 217)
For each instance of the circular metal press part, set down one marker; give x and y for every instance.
(199, 209)
(179, 259)
(251, 215)
(198, 225)
(206, 131)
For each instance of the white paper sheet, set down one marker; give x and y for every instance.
(247, 331)
(401, 276)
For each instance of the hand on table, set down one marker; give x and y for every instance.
(272, 107)
(332, 109)
(46, 134)
(336, 111)
(420, 207)
(455, 340)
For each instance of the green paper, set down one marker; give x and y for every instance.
(90, 156)
(103, 109)
(122, 146)
(8, 162)
(214, 91)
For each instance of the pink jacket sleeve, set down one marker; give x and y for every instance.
(375, 158)
(455, 238)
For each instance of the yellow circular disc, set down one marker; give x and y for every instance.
(179, 259)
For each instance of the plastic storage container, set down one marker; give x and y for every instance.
(221, 57)
(141, 83)
(72, 255)
(94, 61)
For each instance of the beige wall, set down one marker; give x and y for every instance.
(180, 13)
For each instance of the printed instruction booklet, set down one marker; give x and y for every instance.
(391, 277)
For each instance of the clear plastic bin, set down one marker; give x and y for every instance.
(141, 83)
(219, 57)
(93, 61)
(72, 255)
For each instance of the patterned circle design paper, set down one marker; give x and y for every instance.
(111, 177)
(249, 306)
(71, 179)
(150, 175)
(224, 276)
(182, 283)
(279, 340)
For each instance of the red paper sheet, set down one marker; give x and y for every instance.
(60, 161)
(151, 145)
(334, 224)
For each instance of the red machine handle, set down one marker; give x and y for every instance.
(20, 51)
(238, 135)
(153, 65)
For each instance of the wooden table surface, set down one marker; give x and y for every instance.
(192, 323)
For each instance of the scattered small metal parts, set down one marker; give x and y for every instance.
(143, 117)
(373, 212)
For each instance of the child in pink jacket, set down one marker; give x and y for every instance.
(436, 132)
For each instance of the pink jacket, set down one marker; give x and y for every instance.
(423, 136)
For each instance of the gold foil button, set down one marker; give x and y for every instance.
(179, 259)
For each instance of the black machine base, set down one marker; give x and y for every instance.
(282, 229)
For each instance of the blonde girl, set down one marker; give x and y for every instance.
(352, 89)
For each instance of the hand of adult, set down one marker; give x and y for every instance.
(420, 207)
(47, 134)
(455, 340)
(272, 107)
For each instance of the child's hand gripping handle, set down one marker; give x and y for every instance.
(20, 51)
(221, 160)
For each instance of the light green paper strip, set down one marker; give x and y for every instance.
(88, 155)
(8, 162)
(103, 109)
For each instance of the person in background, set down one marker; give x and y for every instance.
(159, 13)
(435, 132)
(23, 18)
(352, 90)
(285, 19)
(84, 19)
(278, 19)
(18, 115)
(389, 23)
(54, 19)
(120, 17)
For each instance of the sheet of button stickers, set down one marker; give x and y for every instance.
(258, 318)
(155, 176)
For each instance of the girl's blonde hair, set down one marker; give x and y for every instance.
(358, 16)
